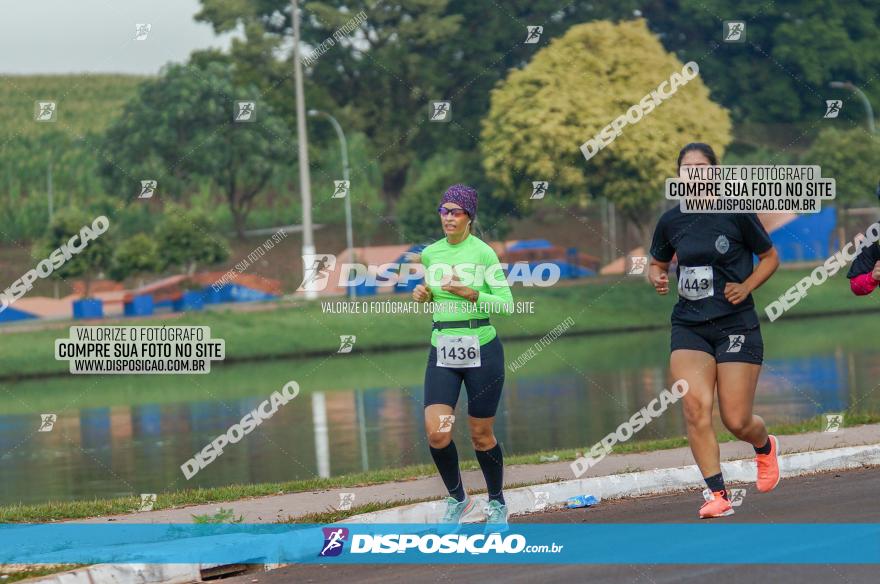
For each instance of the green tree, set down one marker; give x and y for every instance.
(188, 239)
(135, 256)
(88, 263)
(416, 211)
(385, 85)
(367, 205)
(792, 50)
(490, 42)
(380, 78)
(542, 114)
(179, 131)
(852, 159)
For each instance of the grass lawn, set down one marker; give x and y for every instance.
(304, 330)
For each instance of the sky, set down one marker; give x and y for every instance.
(98, 36)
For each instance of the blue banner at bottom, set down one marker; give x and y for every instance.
(794, 543)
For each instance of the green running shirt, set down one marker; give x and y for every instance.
(476, 265)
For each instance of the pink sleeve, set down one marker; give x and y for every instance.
(863, 284)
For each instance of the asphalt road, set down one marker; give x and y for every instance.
(840, 497)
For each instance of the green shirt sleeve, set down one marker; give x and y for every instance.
(498, 294)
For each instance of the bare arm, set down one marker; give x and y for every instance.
(767, 264)
(658, 274)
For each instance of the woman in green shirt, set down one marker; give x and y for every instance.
(465, 281)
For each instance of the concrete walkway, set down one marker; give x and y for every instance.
(273, 508)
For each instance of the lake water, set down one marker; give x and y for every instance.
(124, 435)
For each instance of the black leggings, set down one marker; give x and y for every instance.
(483, 383)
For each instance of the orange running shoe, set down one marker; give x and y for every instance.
(768, 467)
(717, 507)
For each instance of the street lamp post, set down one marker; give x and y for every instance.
(343, 144)
(49, 192)
(51, 197)
(308, 246)
(869, 111)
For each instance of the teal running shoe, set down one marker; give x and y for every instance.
(456, 510)
(496, 517)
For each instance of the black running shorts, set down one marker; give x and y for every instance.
(735, 338)
(483, 383)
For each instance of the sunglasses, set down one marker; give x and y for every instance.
(454, 212)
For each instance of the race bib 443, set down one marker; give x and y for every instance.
(695, 282)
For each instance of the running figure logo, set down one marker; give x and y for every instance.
(345, 501)
(317, 268)
(533, 34)
(833, 422)
(736, 343)
(734, 31)
(637, 265)
(441, 111)
(47, 422)
(446, 422)
(44, 111)
(141, 31)
(334, 540)
(148, 188)
(147, 501)
(340, 189)
(736, 496)
(539, 189)
(832, 107)
(245, 111)
(346, 343)
(722, 244)
(542, 498)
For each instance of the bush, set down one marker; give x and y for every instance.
(137, 255)
(416, 210)
(189, 238)
(90, 261)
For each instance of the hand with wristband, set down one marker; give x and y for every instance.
(468, 294)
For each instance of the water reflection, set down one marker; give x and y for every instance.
(571, 397)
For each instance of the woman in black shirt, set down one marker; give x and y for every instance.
(716, 339)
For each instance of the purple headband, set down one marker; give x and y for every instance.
(463, 196)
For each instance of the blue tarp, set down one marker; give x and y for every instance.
(530, 244)
(407, 286)
(809, 237)
(12, 314)
(235, 293)
(417, 248)
(566, 269)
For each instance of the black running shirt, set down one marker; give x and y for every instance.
(713, 249)
(865, 261)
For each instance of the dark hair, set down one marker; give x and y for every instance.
(700, 147)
